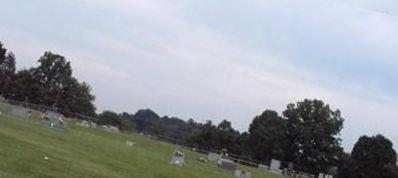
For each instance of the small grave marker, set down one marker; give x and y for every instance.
(177, 159)
(130, 144)
(275, 166)
(228, 165)
(214, 157)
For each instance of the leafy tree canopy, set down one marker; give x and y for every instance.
(268, 136)
(374, 157)
(7, 71)
(313, 129)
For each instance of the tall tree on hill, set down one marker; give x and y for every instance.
(313, 129)
(216, 138)
(7, 71)
(245, 151)
(206, 139)
(54, 74)
(56, 87)
(78, 98)
(127, 123)
(147, 121)
(110, 118)
(268, 138)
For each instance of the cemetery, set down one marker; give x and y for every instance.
(80, 151)
(219, 163)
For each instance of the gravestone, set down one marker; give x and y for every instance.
(214, 157)
(321, 175)
(275, 166)
(92, 124)
(84, 124)
(130, 144)
(228, 165)
(19, 111)
(177, 159)
(53, 120)
(202, 159)
(109, 128)
(113, 129)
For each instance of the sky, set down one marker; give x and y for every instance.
(224, 59)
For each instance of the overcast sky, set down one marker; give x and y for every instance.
(225, 59)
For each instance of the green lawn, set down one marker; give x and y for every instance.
(81, 152)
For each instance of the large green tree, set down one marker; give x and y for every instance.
(110, 118)
(77, 98)
(227, 137)
(7, 71)
(206, 139)
(313, 129)
(55, 74)
(217, 138)
(148, 122)
(372, 157)
(51, 84)
(268, 138)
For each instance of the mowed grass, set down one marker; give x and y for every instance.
(82, 152)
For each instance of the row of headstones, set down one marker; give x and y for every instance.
(48, 119)
(89, 124)
(54, 120)
(86, 124)
(15, 110)
(321, 175)
(275, 167)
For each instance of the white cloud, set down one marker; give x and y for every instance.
(154, 54)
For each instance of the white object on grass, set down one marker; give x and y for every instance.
(131, 144)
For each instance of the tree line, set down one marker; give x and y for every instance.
(306, 133)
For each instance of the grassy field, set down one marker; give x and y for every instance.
(82, 152)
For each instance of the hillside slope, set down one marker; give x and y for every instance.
(28, 149)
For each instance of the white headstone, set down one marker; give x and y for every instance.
(214, 157)
(275, 166)
(227, 164)
(131, 144)
(92, 125)
(177, 159)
